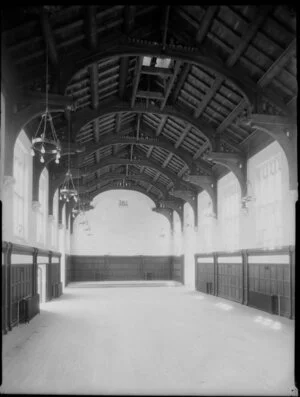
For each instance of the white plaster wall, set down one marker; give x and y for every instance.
(189, 238)
(132, 230)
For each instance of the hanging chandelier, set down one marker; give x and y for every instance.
(45, 141)
(68, 191)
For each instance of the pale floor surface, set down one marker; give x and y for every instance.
(159, 340)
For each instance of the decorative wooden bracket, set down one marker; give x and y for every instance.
(284, 131)
(208, 183)
(176, 205)
(189, 197)
(168, 213)
(235, 163)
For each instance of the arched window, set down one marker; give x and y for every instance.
(54, 225)
(21, 172)
(268, 175)
(205, 222)
(42, 213)
(229, 207)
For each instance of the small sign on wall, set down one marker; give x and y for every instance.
(123, 203)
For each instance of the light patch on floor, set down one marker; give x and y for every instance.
(149, 341)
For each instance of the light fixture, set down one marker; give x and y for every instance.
(45, 140)
(68, 190)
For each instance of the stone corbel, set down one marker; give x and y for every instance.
(50, 218)
(189, 197)
(168, 213)
(35, 206)
(207, 183)
(235, 163)
(8, 181)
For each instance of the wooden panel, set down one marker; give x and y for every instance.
(21, 287)
(178, 270)
(118, 268)
(230, 281)
(205, 280)
(270, 280)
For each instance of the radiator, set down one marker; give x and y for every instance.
(29, 307)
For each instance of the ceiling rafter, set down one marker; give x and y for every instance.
(206, 23)
(183, 136)
(280, 62)
(167, 160)
(261, 15)
(137, 76)
(49, 37)
(264, 80)
(124, 65)
(92, 34)
(171, 84)
(182, 78)
(94, 82)
(129, 18)
(149, 151)
(161, 125)
(248, 35)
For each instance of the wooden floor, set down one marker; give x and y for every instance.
(145, 340)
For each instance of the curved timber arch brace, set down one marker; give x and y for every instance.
(168, 213)
(73, 64)
(236, 164)
(189, 197)
(207, 183)
(156, 142)
(87, 115)
(146, 163)
(284, 131)
(114, 176)
(109, 187)
(175, 205)
(37, 169)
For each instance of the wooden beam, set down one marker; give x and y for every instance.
(142, 169)
(206, 22)
(201, 149)
(275, 68)
(209, 95)
(118, 122)
(150, 94)
(231, 117)
(271, 120)
(182, 171)
(149, 151)
(260, 17)
(156, 71)
(129, 17)
(156, 177)
(170, 85)
(136, 79)
(94, 81)
(183, 75)
(161, 125)
(183, 135)
(92, 27)
(138, 125)
(166, 22)
(124, 63)
(167, 160)
(49, 37)
(96, 130)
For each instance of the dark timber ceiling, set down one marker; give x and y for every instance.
(137, 117)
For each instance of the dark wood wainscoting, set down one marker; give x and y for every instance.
(119, 268)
